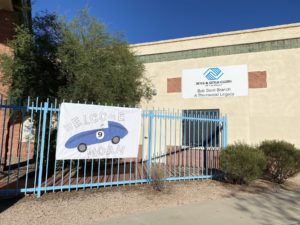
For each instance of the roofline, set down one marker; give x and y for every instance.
(277, 27)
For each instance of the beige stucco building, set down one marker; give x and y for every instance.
(271, 110)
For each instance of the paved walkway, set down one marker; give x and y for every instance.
(277, 208)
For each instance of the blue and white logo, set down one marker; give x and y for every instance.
(213, 73)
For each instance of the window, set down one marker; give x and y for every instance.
(201, 133)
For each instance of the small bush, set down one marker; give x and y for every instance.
(283, 160)
(157, 176)
(242, 163)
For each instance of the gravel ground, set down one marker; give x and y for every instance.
(92, 206)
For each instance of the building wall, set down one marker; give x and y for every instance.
(221, 39)
(6, 25)
(270, 111)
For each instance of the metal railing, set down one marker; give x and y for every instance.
(185, 146)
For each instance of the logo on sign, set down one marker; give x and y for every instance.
(213, 73)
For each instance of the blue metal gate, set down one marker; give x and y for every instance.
(185, 146)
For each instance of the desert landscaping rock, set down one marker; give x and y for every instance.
(97, 206)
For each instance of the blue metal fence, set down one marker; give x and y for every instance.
(184, 146)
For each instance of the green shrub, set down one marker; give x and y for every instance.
(242, 163)
(283, 160)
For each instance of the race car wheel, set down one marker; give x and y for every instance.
(82, 147)
(115, 140)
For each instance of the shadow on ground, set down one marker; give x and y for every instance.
(6, 203)
(275, 204)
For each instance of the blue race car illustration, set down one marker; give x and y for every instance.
(113, 133)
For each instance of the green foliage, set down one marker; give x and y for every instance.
(31, 68)
(242, 163)
(79, 60)
(98, 66)
(283, 159)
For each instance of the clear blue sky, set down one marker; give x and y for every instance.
(153, 20)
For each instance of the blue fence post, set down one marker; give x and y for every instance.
(45, 109)
(225, 136)
(151, 116)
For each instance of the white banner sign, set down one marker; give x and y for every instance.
(93, 132)
(215, 82)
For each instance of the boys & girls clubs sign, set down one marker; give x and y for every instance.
(215, 82)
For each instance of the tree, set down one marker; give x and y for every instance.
(79, 60)
(31, 68)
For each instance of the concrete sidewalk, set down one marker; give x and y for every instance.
(270, 208)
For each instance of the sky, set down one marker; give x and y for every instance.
(153, 20)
